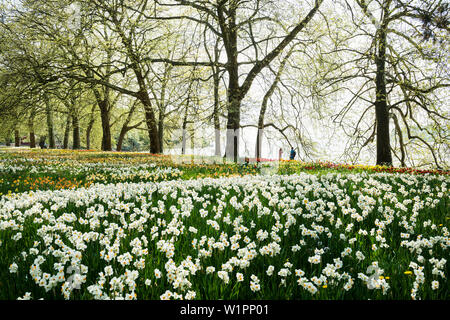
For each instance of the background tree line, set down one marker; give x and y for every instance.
(368, 78)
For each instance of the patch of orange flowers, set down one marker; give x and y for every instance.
(49, 183)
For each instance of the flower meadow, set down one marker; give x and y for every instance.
(24, 170)
(154, 231)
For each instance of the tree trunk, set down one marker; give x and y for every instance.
(217, 140)
(16, 137)
(262, 112)
(122, 134)
(259, 139)
(31, 130)
(89, 128)
(216, 118)
(50, 126)
(143, 96)
(106, 127)
(234, 94)
(76, 132)
(259, 136)
(216, 121)
(192, 144)
(234, 102)
(126, 128)
(161, 132)
(384, 156)
(400, 140)
(233, 129)
(8, 138)
(183, 142)
(67, 132)
(152, 129)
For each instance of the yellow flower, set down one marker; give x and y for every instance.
(408, 272)
(325, 286)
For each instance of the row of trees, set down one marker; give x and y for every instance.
(373, 70)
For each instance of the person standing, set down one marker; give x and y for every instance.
(293, 154)
(42, 142)
(280, 152)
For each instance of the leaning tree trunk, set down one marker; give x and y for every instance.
(236, 93)
(384, 156)
(126, 128)
(262, 112)
(150, 119)
(400, 140)
(122, 134)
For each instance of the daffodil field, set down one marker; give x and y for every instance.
(85, 225)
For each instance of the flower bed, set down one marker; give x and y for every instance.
(333, 236)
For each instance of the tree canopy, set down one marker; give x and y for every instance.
(344, 80)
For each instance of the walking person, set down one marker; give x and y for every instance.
(280, 152)
(293, 154)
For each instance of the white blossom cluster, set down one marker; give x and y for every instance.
(172, 238)
(94, 171)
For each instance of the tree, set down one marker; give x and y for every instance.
(392, 12)
(229, 21)
(386, 66)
